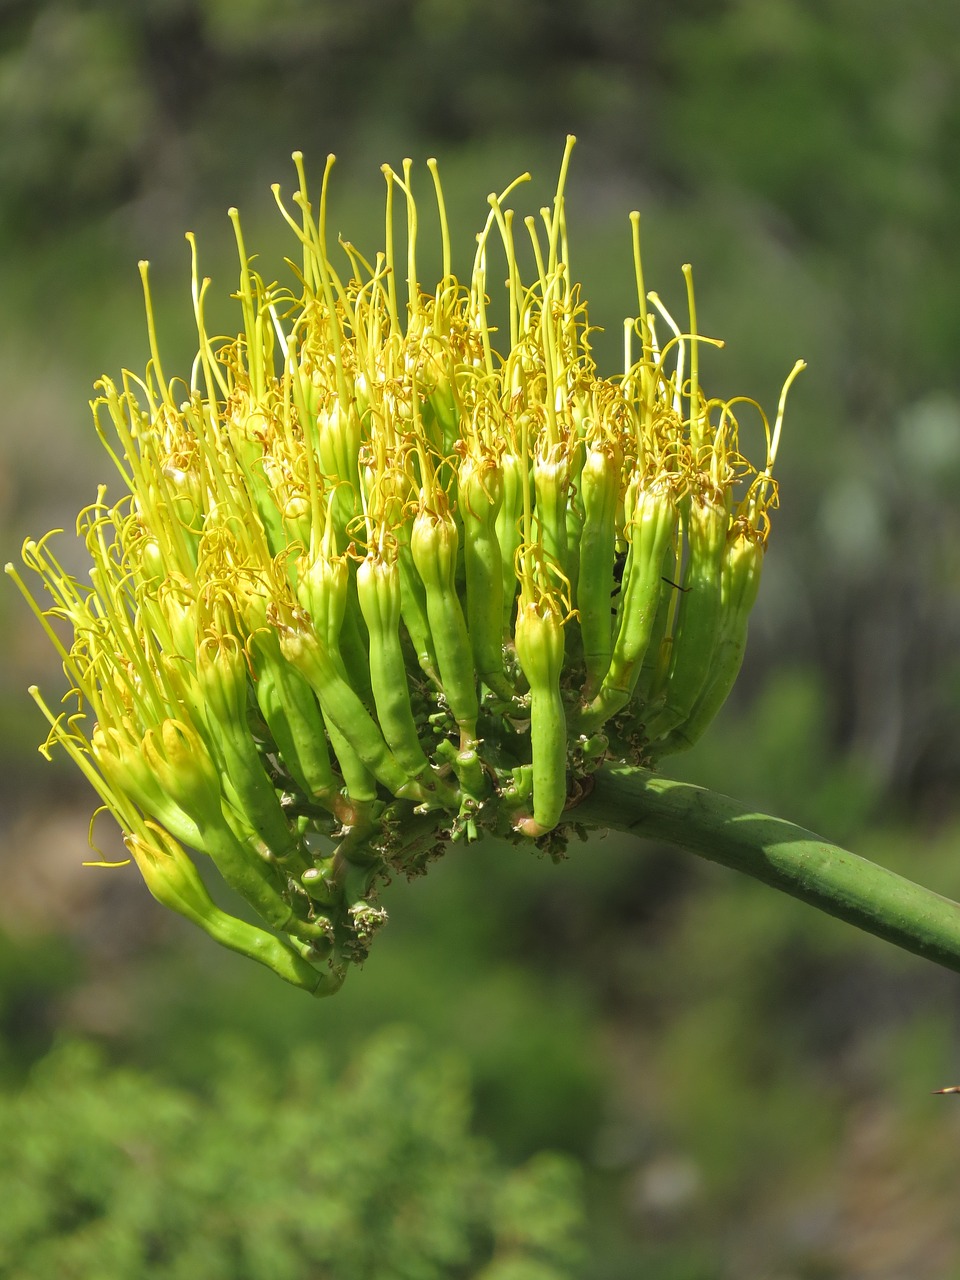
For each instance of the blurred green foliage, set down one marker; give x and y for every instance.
(743, 1083)
(271, 1173)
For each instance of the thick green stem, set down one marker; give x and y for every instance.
(778, 853)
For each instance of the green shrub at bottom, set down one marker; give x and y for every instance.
(273, 1173)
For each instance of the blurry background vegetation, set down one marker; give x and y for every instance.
(743, 1085)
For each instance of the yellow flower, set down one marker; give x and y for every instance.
(379, 578)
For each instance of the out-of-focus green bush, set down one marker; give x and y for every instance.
(271, 1172)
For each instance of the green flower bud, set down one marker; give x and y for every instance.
(649, 530)
(256, 813)
(434, 543)
(177, 757)
(222, 682)
(293, 717)
(324, 590)
(698, 619)
(480, 500)
(551, 482)
(539, 641)
(739, 584)
(378, 590)
(600, 493)
(173, 880)
(128, 768)
(509, 529)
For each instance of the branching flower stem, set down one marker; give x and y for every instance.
(777, 852)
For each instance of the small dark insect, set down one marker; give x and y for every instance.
(619, 564)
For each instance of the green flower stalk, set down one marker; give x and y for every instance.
(380, 576)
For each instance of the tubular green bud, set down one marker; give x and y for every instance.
(539, 641)
(222, 683)
(509, 530)
(378, 588)
(739, 584)
(698, 618)
(338, 435)
(344, 712)
(551, 482)
(172, 878)
(650, 530)
(192, 808)
(178, 758)
(222, 679)
(434, 542)
(653, 668)
(481, 498)
(125, 763)
(323, 591)
(442, 404)
(574, 527)
(322, 583)
(413, 608)
(292, 714)
(179, 613)
(600, 492)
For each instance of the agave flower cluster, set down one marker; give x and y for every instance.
(381, 576)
